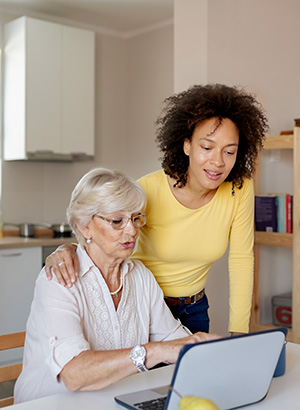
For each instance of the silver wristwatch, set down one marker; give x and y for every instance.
(138, 356)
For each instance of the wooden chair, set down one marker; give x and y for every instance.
(8, 373)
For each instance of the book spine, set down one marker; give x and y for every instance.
(288, 214)
(292, 213)
(265, 213)
(281, 213)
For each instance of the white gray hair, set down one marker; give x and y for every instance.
(102, 190)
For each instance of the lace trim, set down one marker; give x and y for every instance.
(113, 329)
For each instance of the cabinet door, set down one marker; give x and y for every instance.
(19, 269)
(49, 89)
(43, 85)
(14, 90)
(78, 92)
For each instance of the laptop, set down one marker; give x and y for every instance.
(232, 371)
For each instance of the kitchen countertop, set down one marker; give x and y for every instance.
(10, 242)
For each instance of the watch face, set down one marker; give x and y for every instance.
(138, 352)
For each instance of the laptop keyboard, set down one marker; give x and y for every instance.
(157, 404)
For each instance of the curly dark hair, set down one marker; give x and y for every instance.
(184, 111)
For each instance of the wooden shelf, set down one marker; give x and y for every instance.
(274, 239)
(290, 141)
(279, 142)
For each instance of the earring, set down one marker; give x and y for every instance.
(89, 240)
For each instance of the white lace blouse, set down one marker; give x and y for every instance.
(64, 322)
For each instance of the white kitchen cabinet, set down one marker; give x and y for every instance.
(49, 90)
(19, 269)
(78, 91)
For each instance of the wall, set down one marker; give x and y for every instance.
(150, 81)
(253, 44)
(132, 77)
(190, 43)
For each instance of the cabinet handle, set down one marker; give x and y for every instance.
(8, 255)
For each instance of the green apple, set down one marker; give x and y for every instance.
(196, 403)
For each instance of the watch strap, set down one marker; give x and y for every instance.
(141, 367)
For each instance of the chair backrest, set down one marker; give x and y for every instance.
(12, 372)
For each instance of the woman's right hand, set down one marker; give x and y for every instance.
(168, 351)
(64, 263)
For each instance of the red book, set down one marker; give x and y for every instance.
(288, 213)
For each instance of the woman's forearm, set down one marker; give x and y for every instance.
(94, 370)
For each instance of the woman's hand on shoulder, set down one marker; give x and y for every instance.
(64, 263)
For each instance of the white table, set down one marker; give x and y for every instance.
(284, 393)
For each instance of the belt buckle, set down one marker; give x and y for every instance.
(194, 299)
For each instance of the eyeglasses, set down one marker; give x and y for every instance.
(119, 223)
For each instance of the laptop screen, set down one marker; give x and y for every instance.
(233, 372)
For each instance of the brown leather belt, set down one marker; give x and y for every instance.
(189, 300)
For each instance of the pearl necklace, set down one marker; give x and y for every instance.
(115, 293)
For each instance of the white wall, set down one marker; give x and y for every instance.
(150, 81)
(253, 44)
(191, 43)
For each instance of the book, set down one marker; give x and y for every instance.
(292, 213)
(281, 212)
(288, 213)
(266, 213)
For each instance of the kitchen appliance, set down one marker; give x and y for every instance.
(28, 230)
(62, 230)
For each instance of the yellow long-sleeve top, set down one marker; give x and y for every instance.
(179, 244)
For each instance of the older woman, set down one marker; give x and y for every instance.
(113, 322)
